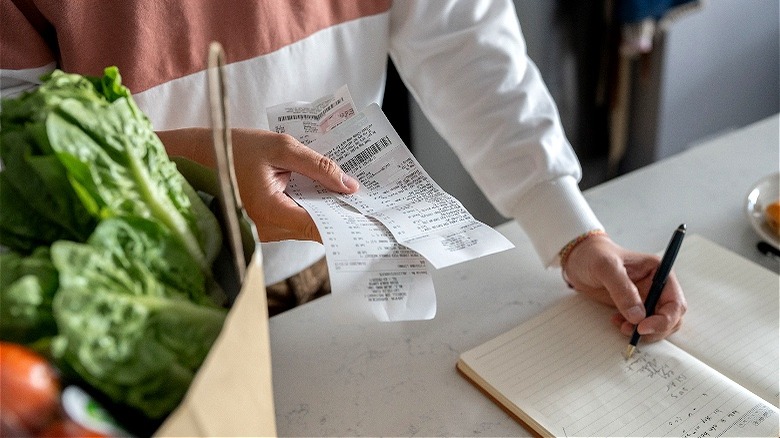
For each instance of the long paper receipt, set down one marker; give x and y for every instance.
(380, 240)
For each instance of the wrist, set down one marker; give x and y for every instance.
(567, 250)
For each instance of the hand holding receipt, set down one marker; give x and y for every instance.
(659, 281)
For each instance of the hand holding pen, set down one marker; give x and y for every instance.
(659, 281)
(606, 272)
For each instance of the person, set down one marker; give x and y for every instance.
(464, 61)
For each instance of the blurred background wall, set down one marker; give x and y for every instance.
(713, 68)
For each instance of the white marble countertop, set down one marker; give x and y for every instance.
(399, 379)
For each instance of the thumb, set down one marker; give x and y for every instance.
(320, 168)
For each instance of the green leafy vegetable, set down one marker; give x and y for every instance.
(143, 248)
(114, 246)
(112, 159)
(27, 287)
(39, 205)
(125, 324)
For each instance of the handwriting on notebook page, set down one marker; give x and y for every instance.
(699, 418)
(650, 367)
(558, 368)
(661, 392)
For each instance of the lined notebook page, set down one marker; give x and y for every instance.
(563, 373)
(733, 313)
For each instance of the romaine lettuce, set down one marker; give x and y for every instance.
(113, 161)
(130, 322)
(27, 287)
(116, 245)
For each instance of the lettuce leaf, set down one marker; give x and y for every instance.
(39, 205)
(90, 133)
(130, 323)
(115, 247)
(27, 288)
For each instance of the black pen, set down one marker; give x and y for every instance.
(659, 281)
(767, 249)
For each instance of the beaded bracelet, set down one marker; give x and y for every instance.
(566, 251)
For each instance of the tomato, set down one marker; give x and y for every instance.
(67, 428)
(29, 389)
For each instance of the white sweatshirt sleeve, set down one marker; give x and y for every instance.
(15, 82)
(465, 63)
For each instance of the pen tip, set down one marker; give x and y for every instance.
(682, 227)
(629, 351)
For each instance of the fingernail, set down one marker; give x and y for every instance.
(349, 182)
(647, 331)
(635, 314)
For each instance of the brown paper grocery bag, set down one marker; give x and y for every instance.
(232, 394)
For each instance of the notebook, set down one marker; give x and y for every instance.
(563, 373)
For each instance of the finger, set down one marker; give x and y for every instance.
(621, 289)
(617, 320)
(627, 329)
(666, 318)
(653, 328)
(305, 226)
(298, 225)
(672, 300)
(276, 234)
(278, 217)
(306, 161)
